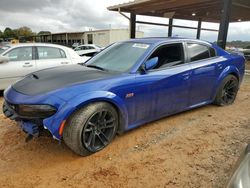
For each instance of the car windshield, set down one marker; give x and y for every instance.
(3, 49)
(119, 57)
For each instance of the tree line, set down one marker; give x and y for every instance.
(239, 44)
(21, 33)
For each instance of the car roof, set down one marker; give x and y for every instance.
(36, 44)
(157, 40)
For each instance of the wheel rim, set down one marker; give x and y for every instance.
(99, 130)
(230, 91)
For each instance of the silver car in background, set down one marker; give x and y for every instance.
(241, 174)
(88, 50)
(18, 60)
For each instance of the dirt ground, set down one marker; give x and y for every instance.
(192, 149)
(248, 65)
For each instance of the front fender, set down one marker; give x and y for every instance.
(228, 70)
(53, 123)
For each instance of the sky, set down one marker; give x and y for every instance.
(81, 15)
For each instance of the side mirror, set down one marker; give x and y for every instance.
(4, 59)
(150, 64)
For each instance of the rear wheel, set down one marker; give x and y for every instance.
(91, 128)
(228, 91)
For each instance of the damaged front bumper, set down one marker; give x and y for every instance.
(30, 125)
(34, 113)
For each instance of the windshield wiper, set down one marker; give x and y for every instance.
(96, 67)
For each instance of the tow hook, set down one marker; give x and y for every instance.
(31, 129)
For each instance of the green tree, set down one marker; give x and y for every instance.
(25, 32)
(1, 34)
(248, 47)
(15, 33)
(8, 33)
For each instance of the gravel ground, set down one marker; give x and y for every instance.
(192, 149)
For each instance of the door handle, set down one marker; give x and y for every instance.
(27, 64)
(220, 66)
(186, 76)
(64, 63)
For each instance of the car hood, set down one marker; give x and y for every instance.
(55, 78)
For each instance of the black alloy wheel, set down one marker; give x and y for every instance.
(99, 130)
(227, 91)
(91, 128)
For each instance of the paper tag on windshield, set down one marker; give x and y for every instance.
(140, 45)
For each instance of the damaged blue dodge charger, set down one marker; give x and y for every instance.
(126, 85)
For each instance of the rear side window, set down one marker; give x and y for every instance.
(198, 52)
(20, 54)
(50, 53)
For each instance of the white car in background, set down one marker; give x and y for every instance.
(18, 60)
(76, 44)
(87, 49)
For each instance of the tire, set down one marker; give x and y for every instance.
(227, 91)
(91, 128)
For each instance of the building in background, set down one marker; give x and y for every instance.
(99, 37)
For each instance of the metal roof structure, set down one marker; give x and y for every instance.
(207, 10)
(218, 11)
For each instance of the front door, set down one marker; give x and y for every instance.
(168, 83)
(170, 90)
(21, 62)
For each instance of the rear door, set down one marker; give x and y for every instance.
(203, 61)
(21, 62)
(48, 57)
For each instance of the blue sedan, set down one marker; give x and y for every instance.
(126, 85)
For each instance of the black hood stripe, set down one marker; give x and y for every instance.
(55, 78)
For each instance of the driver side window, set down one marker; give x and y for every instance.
(169, 55)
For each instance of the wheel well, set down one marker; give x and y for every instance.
(120, 120)
(236, 75)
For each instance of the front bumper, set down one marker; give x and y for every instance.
(31, 125)
(9, 111)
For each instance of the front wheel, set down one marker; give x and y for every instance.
(227, 92)
(91, 128)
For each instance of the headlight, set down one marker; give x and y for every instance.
(35, 111)
(241, 176)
